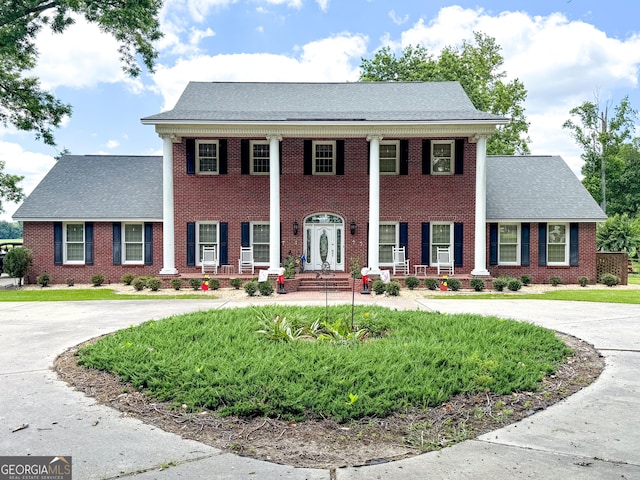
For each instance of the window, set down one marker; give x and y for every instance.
(557, 245)
(508, 244)
(207, 157)
(388, 240)
(442, 157)
(324, 158)
(206, 236)
(259, 158)
(74, 243)
(260, 242)
(389, 157)
(133, 243)
(441, 236)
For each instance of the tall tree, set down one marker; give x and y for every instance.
(601, 134)
(9, 188)
(477, 66)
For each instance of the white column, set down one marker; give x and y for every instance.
(168, 223)
(480, 252)
(274, 203)
(374, 203)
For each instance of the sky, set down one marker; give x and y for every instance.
(565, 52)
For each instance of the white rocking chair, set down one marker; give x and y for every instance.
(444, 260)
(209, 260)
(245, 262)
(400, 261)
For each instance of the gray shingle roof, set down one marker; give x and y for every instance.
(537, 188)
(96, 187)
(349, 102)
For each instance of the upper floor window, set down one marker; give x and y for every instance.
(442, 157)
(324, 158)
(389, 157)
(441, 236)
(259, 158)
(74, 243)
(207, 153)
(133, 243)
(557, 244)
(206, 236)
(508, 244)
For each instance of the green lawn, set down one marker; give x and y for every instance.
(609, 295)
(411, 359)
(72, 295)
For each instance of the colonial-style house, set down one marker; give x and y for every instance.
(338, 173)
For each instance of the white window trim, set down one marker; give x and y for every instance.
(207, 142)
(566, 244)
(65, 243)
(518, 240)
(452, 160)
(262, 243)
(432, 258)
(333, 148)
(251, 158)
(124, 244)
(397, 241)
(217, 242)
(397, 167)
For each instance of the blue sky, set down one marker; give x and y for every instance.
(564, 51)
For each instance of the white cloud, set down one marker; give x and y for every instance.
(323, 4)
(112, 144)
(397, 19)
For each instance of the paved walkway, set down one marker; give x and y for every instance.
(595, 434)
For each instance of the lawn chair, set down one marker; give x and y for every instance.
(444, 260)
(209, 260)
(245, 262)
(400, 261)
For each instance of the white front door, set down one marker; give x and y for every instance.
(324, 245)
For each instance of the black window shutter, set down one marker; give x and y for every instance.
(459, 153)
(426, 157)
(404, 157)
(525, 244)
(191, 244)
(308, 157)
(542, 244)
(404, 237)
(493, 244)
(148, 243)
(117, 243)
(191, 156)
(339, 157)
(426, 244)
(245, 157)
(245, 234)
(458, 240)
(222, 156)
(57, 243)
(224, 243)
(574, 244)
(88, 243)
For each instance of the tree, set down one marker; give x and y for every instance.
(9, 188)
(17, 262)
(601, 138)
(10, 230)
(477, 66)
(619, 234)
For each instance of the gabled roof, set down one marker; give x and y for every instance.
(537, 188)
(97, 187)
(313, 102)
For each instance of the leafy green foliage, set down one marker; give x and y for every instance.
(393, 288)
(251, 288)
(43, 280)
(265, 288)
(609, 279)
(555, 280)
(17, 262)
(195, 283)
(378, 287)
(500, 282)
(477, 284)
(127, 278)
(583, 281)
(431, 283)
(525, 279)
(454, 284)
(9, 230)
(236, 283)
(619, 234)
(514, 284)
(97, 279)
(139, 283)
(176, 283)
(411, 282)
(154, 284)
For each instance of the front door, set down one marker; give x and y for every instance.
(324, 243)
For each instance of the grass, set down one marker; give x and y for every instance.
(73, 295)
(609, 295)
(217, 360)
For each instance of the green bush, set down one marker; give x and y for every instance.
(411, 282)
(265, 288)
(393, 288)
(214, 283)
(583, 281)
(289, 267)
(44, 279)
(378, 287)
(195, 283)
(454, 284)
(514, 284)
(609, 279)
(154, 284)
(97, 279)
(525, 279)
(176, 283)
(431, 283)
(236, 283)
(138, 284)
(251, 288)
(355, 268)
(477, 284)
(70, 282)
(17, 262)
(555, 281)
(500, 282)
(127, 278)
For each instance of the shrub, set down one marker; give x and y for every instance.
(97, 279)
(609, 279)
(393, 288)
(214, 283)
(431, 283)
(43, 280)
(355, 268)
(265, 288)
(195, 283)
(583, 281)
(555, 281)
(176, 283)
(138, 283)
(236, 283)
(411, 282)
(454, 284)
(70, 282)
(500, 282)
(127, 278)
(289, 267)
(514, 284)
(477, 284)
(378, 287)
(251, 288)
(154, 283)
(525, 279)
(17, 262)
